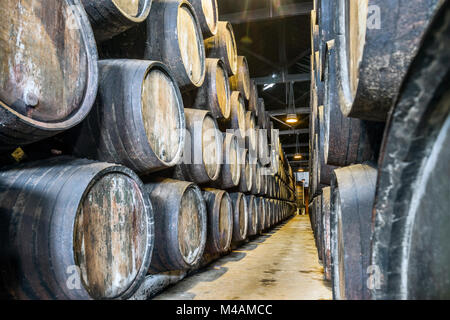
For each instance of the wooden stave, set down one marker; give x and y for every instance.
(240, 230)
(241, 80)
(227, 179)
(253, 215)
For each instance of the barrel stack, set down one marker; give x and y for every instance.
(375, 141)
(157, 88)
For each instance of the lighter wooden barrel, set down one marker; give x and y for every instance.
(215, 93)
(208, 15)
(180, 224)
(245, 184)
(112, 17)
(241, 80)
(253, 99)
(223, 46)
(183, 51)
(202, 159)
(47, 83)
(240, 216)
(73, 229)
(220, 220)
(253, 215)
(231, 170)
(138, 119)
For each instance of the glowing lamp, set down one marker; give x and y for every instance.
(291, 118)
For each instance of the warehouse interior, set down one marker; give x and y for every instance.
(224, 150)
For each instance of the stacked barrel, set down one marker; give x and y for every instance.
(379, 128)
(133, 143)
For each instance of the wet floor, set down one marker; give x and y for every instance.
(279, 265)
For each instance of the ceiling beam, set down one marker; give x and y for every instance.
(299, 77)
(287, 10)
(299, 162)
(292, 132)
(281, 112)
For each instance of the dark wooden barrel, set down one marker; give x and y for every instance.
(325, 170)
(138, 101)
(223, 46)
(261, 214)
(202, 158)
(180, 224)
(326, 259)
(253, 215)
(410, 213)
(246, 180)
(256, 183)
(215, 93)
(253, 100)
(47, 83)
(231, 170)
(241, 80)
(268, 213)
(240, 216)
(251, 136)
(73, 229)
(208, 16)
(352, 195)
(220, 220)
(112, 17)
(375, 46)
(263, 147)
(346, 140)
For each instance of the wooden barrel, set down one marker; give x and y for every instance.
(268, 213)
(208, 16)
(264, 156)
(202, 158)
(47, 83)
(410, 243)
(326, 245)
(375, 46)
(180, 224)
(112, 17)
(246, 181)
(220, 220)
(261, 214)
(251, 136)
(237, 119)
(346, 140)
(183, 51)
(73, 229)
(241, 80)
(138, 101)
(253, 100)
(240, 216)
(223, 46)
(215, 93)
(262, 116)
(256, 183)
(253, 215)
(325, 170)
(352, 195)
(231, 170)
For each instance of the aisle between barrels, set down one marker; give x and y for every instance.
(282, 264)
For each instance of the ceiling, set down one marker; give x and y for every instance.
(274, 35)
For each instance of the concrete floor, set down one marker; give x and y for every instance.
(279, 265)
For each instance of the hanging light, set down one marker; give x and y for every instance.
(297, 154)
(291, 116)
(301, 170)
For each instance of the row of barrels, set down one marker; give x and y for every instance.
(379, 143)
(79, 229)
(168, 120)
